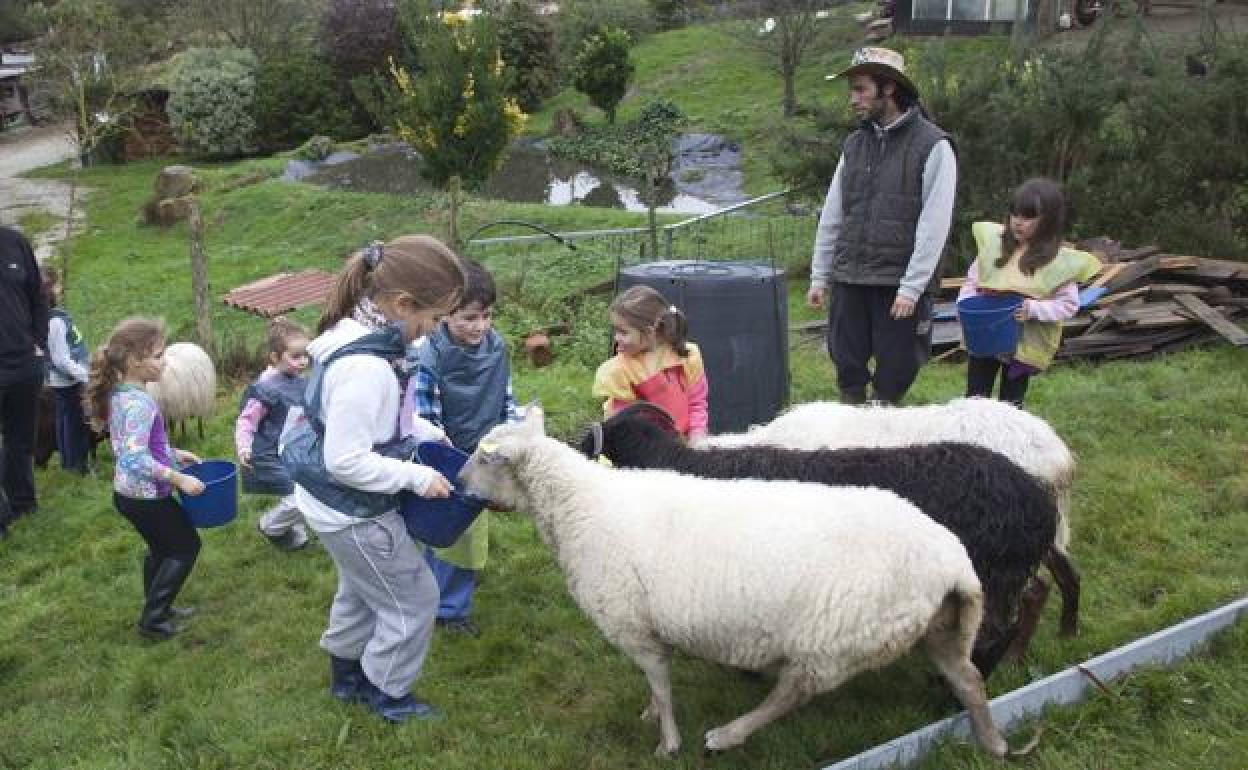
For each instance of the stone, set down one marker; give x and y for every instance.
(176, 181)
(172, 210)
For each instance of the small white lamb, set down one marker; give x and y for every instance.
(188, 386)
(816, 583)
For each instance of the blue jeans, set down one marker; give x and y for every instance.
(73, 439)
(456, 586)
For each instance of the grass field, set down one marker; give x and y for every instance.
(1160, 533)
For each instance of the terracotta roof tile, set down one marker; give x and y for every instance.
(282, 293)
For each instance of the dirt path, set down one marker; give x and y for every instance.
(26, 149)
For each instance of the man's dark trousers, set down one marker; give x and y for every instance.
(860, 328)
(18, 402)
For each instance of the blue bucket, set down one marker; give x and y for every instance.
(439, 522)
(217, 505)
(988, 324)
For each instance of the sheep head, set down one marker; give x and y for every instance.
(490, 472)
(647, 421)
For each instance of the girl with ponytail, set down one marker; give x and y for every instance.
(147, 469)
(654, 361)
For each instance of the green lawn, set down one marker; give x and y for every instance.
(1159, 534)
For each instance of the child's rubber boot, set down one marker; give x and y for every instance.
(346, 680)
(149, 571)
(399, 710)
(156, 621)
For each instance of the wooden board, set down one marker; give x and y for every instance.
(1213, 319)
(1133, 272)
(1108, 273)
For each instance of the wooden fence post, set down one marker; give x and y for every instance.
(199, 279)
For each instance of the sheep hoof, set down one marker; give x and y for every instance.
(721, 738)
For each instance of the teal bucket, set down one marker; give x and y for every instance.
(217, 505)
(988, 324)
(440, 521)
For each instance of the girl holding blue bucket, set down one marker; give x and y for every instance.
(1025, 260)
(147, 469)
(350, 463)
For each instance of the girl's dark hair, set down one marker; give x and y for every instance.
(419, 267)
(904, 97)
(643, 308)
(132, 338)
(478, 285)
(1036, 198)
(50, 281)
(281, 331)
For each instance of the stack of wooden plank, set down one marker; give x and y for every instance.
(1142, 302)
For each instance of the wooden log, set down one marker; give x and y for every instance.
(1213, 319)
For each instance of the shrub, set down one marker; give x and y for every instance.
(456, 113)
(297, 97)
(603, 68)
(1131, 145)
(213, 95)
(527, 45)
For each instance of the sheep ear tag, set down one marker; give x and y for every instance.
(488, 454)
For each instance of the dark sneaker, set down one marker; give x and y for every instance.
(291, 540)
(399, 710)
(460, 626)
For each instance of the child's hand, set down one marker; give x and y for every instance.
(438, 486)
(244, 458)
(185, 458)
(1021, 313)
(188, 484)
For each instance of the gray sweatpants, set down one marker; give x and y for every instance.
(387, 600)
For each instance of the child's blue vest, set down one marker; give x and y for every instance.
(472, 384)
(73, 338)
(304, 455)
(281, 395)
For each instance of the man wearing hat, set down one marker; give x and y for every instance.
(882, 231)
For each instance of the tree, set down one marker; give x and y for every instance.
(360, 36)
(86, 64)
(456, 112)
(262, 26)
(783, 31)
(603, 68)
(527, 45)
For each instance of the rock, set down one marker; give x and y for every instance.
(316, 148)
(176, 181)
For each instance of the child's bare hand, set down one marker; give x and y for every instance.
(188, 484)
(186, 458)
(244, 458)
(1021, 313)
(438, 486)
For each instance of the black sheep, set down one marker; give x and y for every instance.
(1005, 517)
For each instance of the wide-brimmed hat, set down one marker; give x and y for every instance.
(872, 60)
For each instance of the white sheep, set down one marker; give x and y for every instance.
(816, 583)
(1024, 438)
(188, 386)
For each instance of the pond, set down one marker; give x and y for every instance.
(706, 176)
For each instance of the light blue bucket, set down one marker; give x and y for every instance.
(988, 324)
(218, 504)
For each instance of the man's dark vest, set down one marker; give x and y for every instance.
(881, 199)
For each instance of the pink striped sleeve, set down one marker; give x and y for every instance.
(1064, 304)
(698, 417)
(247, 423)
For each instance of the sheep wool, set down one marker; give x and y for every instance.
(1003, 515)
(752, 574)
(188, 386)
(1024, 438)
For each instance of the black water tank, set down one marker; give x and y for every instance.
(738, 315)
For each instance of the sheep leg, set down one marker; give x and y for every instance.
(949, 648)
(656, 665)
(1067, 579)
(1031, 605)
(793, 688)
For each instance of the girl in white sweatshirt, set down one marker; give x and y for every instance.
(346, 484)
